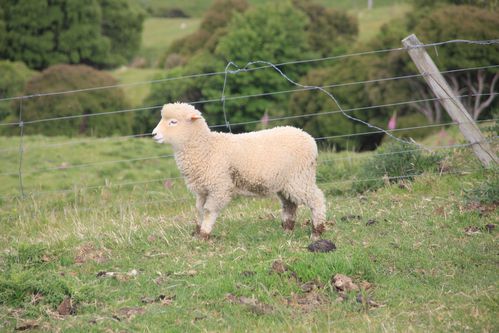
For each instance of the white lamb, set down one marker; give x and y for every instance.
(218, 166)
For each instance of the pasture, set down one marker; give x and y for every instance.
(114, 251)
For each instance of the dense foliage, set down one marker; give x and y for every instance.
(74, 105)
(14, 77)
(276, 32)
(102, 33)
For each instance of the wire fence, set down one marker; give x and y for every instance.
(249, 67)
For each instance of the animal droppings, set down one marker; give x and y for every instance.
(322, 245)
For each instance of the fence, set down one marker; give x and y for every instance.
(21, 171)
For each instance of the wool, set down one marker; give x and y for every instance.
(218, 166)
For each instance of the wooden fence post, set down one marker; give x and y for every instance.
(450, 102)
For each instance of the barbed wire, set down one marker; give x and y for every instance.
(232, 98)
(271, 119)
(176, 199)
(251, 66)
(91, 164)
(75, 189)
(295, 62)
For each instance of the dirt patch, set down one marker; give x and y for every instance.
(161, 299)
(248, 273)
(128, 313)
(308, 301)
(321, 245)
(67, 307)
(482, 208)
(87, 252)
(279, 267)
(118, 275)
(349, 218)
(343, 283)
(472, 230)
(27, 325)
(252, 304)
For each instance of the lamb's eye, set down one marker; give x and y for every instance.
(172, 122)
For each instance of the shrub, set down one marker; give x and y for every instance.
(74, 77)
(14, 76)
(394, 160)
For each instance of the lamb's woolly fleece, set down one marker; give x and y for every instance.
(218, 166)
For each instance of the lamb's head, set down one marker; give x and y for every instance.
(179, 123)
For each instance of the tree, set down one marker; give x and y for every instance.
(332, 122)
(330, 31)
(274, 33)
(212, 28)
(122, 23)
(439, 24)
(14, 77)
(46, 32)
(74, 77)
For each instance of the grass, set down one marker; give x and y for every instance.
(159, 33)
(429, 272)
(370, 21)
(198, 7)
(136, 93)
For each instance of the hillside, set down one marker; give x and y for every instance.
(116, 244)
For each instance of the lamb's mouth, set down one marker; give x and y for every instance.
(158, 138)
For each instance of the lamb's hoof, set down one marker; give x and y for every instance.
(317, 231)
(203, 236)
(288, 225)
(315, 237)
(196, 231)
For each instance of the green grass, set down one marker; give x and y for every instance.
(158, 34)
(196, 8)
(136, 92)
(370, 21)
(426, 271)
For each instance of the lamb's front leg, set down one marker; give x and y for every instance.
(215, 202)
(200, 202)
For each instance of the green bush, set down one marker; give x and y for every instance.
(391, 161)
(14, 76)
(74, 77)
(103, 33)
(485, 193)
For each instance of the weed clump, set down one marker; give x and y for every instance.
(393, 162)
(486, 193)
(26, 279)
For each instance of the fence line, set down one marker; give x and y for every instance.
(295, 62)
(91, 164)
(157, 180)
(251, 66)
(321, 184)
(259, 121)
(232, 98)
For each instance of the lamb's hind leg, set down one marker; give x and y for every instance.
(288, 212)
(317, 203)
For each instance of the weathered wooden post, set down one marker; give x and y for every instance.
(450, 102)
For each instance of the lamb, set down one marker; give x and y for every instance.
(218, 166)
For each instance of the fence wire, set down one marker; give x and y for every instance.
(252, 66)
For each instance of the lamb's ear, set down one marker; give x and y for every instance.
(195, 117)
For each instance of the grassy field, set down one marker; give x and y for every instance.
(196, 8)
(108, 257)
(159, 33)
